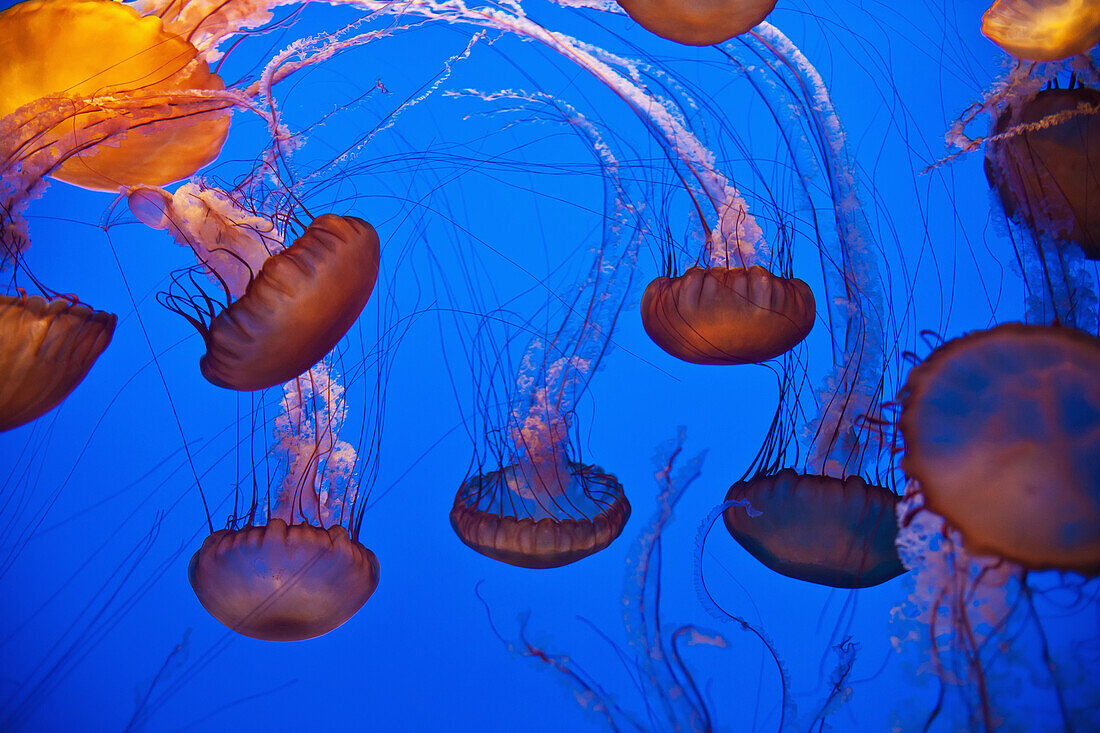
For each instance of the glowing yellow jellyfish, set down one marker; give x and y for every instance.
(1043, 30)
(698, 22)
(100, 47)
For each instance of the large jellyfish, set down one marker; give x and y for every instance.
(107, 49)
(289, 305)
(825, 523)
(291, 567)
(1002, 431)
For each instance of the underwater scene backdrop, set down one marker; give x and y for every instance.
(529, 169)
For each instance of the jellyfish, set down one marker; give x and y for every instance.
(292, 568)
(697, 22)
(289, 305)
(109, 49)
(1002, 429)
(1048, 175)
(541, 508)
(47, 348)
(831, 520)
(1043, 30)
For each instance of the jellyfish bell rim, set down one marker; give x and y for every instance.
(820, 567)
(694, 26)
(750, 315)
(52, 326)
(243, 339)
(513, 541)
(938, 496)
(270, 616)
(1012, 26)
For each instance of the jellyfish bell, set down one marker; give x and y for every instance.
(698, 22)
(46, 350)
(107, 47)
(720, 315)
(512, 516)
(1043, 30)
(831, 531)
(1002, 434)
(282, 582)
(1049, 176)
(291, 307)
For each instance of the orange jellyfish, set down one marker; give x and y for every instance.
(727, 315)
(109, 49)
(1002, 434)
(1043, 30)
(1048, 175)
(302, 572)
(698, 22)
(290, 307)
(46, 349)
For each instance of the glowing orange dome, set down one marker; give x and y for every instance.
(722, 315)
(698, 22)
(1002, 432)
(283, 583)
(46, 349)
(96, 47)
(1043, 30)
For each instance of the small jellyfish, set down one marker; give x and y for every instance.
(1002, 434)
(1043, 30)
(56, 49)
(291, 307)
(698, 22)
(303, 572)
(1049, 174)
(46, 349)
(727, 315)
(836, 532)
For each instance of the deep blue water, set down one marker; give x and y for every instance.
(481, 214)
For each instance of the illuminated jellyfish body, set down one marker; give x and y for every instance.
(1043, 30)
(109, 49)
(1002, 431)
(727, 315)
(302, 572)
(830, 521)
(46, 349)
(698, 22)
(290, 305)
(1049, 176)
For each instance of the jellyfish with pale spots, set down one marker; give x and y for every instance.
(286, 306)
(1043, 30)
(292, 568)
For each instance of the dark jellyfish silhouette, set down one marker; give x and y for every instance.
(283, 583)
(1049, 177)
(535, 522)
(46, 349)
(836, 532)
(108, 49)
(1002, 434)
(721, 315)
(301, 302)
(698, 22)
(1043, 30)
